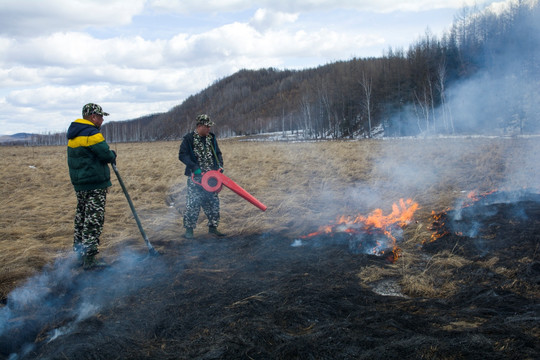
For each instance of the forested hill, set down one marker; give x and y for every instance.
(481, 77)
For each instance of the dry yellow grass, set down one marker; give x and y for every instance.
(304, 185)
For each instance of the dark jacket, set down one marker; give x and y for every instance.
(88, 155)
(187, 156)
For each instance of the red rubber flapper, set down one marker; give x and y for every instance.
(213, 181)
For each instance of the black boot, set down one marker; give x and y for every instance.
(189, 233)
(214, 231)
(90, 263)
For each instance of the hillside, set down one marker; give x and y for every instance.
(15, 138)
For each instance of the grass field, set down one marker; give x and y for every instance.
(304, 186)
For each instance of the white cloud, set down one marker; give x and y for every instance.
(266, 19)
(44, 109)
(498, 7)
(382, 6)
(79, 49)
(30, 17)
(50, 97)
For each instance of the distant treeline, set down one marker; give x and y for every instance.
(401, 93)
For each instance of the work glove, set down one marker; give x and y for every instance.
(197, 172)
(114, 160)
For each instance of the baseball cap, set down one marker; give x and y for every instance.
(204, 119)
(91, 108)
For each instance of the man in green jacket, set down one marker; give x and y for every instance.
(88, 157)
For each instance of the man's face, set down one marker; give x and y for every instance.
(203, 130)
(96, 119)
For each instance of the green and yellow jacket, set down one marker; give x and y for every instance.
(88, 156)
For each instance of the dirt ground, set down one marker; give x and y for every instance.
(259, 297)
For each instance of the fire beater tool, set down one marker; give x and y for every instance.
(151, 249)
(213, 181)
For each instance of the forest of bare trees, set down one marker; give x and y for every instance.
(432, 88)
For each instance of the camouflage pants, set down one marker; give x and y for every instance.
(197, 197)
(89, 220)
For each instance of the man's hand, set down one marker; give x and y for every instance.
(114, 160)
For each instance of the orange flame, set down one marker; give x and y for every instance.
(438, 224)
(475, 195)
(401, 215)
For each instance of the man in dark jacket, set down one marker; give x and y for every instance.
(88, 157)
(200, 153)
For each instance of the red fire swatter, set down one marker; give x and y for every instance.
(213, 181)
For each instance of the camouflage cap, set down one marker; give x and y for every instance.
(91, 108)
(204, 119)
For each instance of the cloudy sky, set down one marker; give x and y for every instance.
(137, 57)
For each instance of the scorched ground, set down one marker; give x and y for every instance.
(259, 297)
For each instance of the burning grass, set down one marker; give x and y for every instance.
(254, 295)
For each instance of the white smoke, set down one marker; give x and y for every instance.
(44, 298)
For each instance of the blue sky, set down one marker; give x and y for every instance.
(139, 57)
